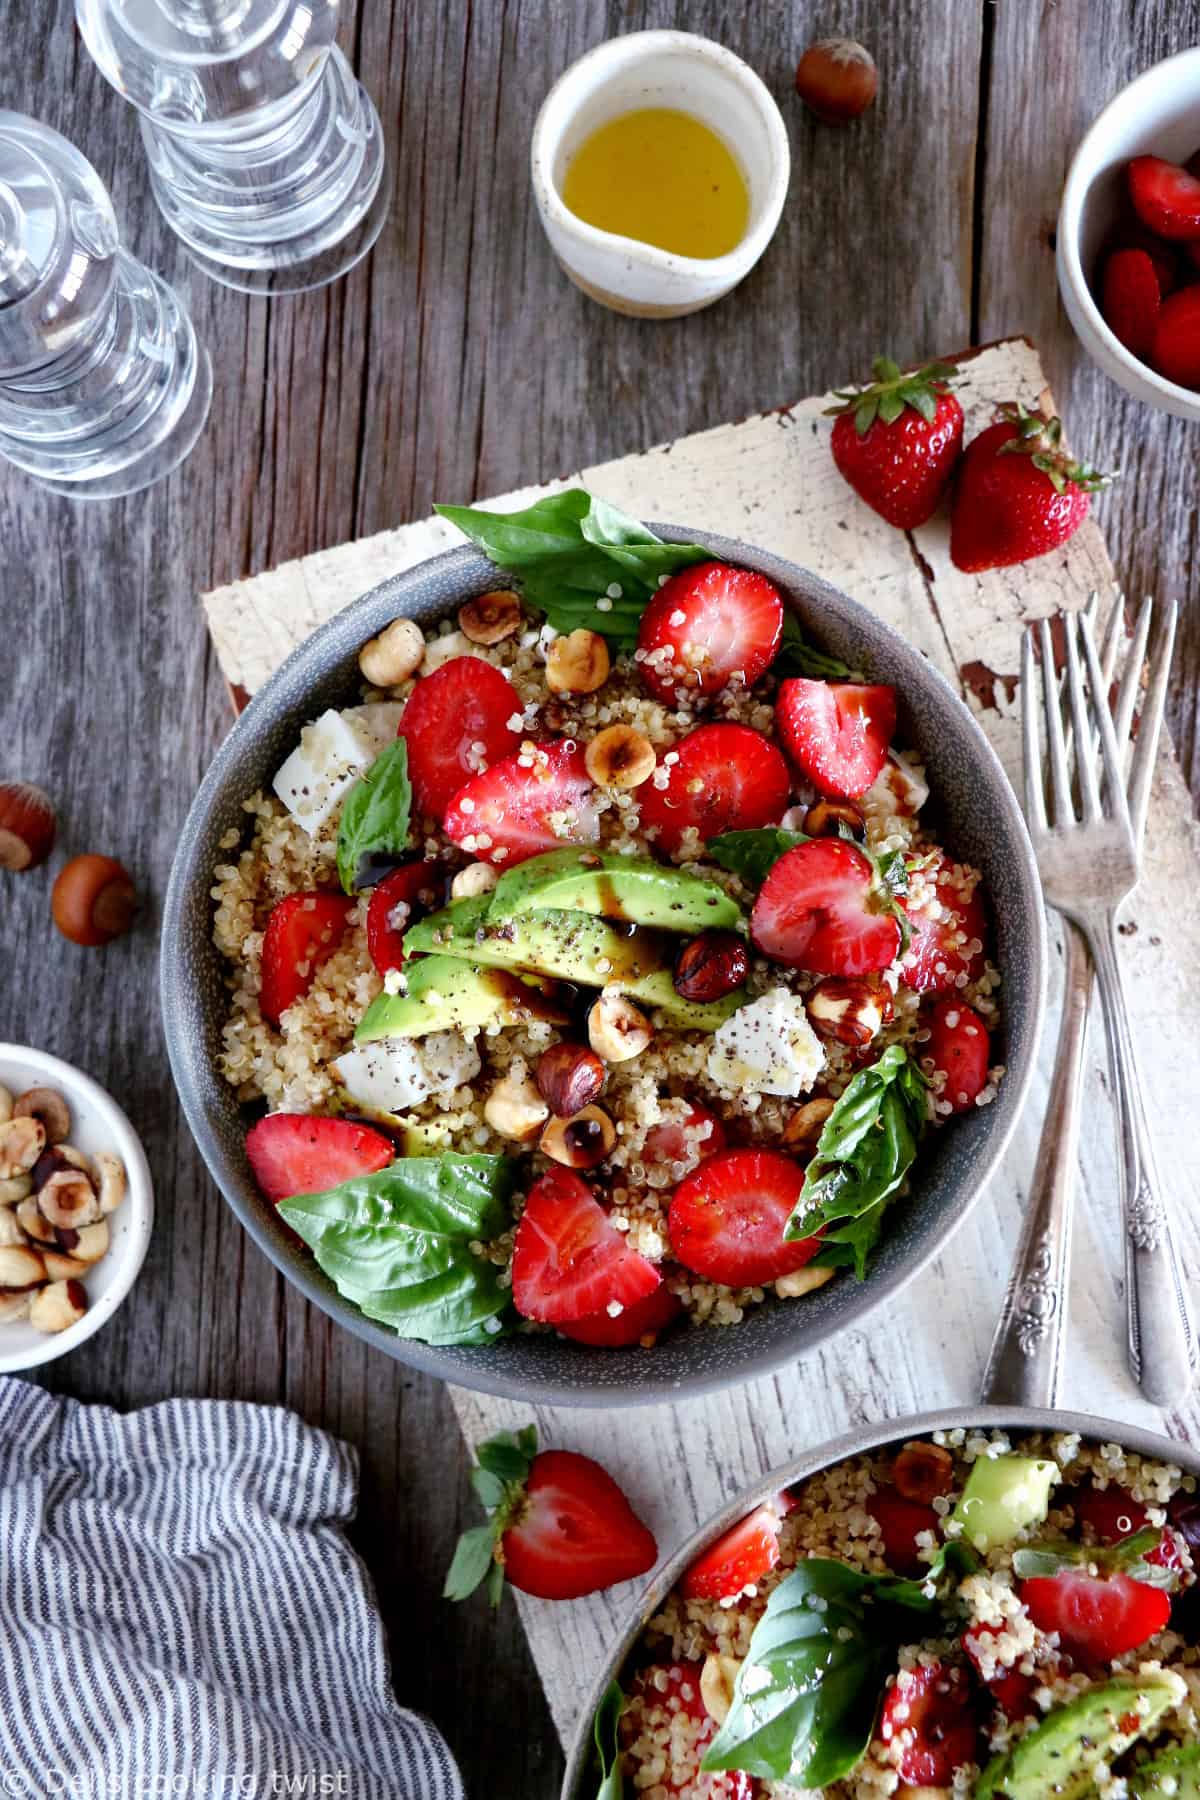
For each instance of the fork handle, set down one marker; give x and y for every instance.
(1025, 1363)
(1161, 1343)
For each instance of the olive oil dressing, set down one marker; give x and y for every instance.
(663, 177)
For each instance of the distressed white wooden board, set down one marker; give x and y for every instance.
(770, 480)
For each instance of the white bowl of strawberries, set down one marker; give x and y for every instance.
(1128, 249)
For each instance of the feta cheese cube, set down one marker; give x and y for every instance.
(393, 1074)
(768, 1047)
(332, 753)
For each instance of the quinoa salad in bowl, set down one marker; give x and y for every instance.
(971, 1613)
(600, 981)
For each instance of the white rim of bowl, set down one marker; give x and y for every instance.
(744, 254)
(1074, 192)
(137, 1169)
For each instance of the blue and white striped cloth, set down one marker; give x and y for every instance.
(181, 1614)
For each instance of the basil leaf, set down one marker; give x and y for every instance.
(798, 657)
(867, 1146)
(1128, 1556)
(398, 1244)
(604, 1736)
(570, 551)
(471, 1563)
(752, 854)
(375, 814)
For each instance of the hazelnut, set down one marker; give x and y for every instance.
(57, 1307)
(826, 818)
(711, 966)
(619, 757)
(716, 1684)
(490, 618)
(569, 1077)
(6, 1105)
(577, 663)
(110, 1175)
(21, 1143)
(515, 1109)
(15, 1188)
(848, 1009)
(581, 1142)
(10, 1230)
(89, 1244)
(617, 1029)
(49, 1106)
(477, 878)
(34, 1224)
(923, 1472)
(69, 1198)
(54, 1158)
(14, 1307)
(802, 1281)
(93, 900)
(393, 655)
(27, 825)
(837, 80)
(803, 1129)
(62, 1267)
(21, 1267)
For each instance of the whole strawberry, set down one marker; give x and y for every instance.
(1018, 493)
(897, 441)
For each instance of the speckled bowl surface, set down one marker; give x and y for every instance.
(978, 818)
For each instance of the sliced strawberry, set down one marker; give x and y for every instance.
(1131, 234)
(1175, 351)
(836, 732)
(1010, 1689)
(574, 1531)
(817, 910)
(929, 1717)
(1109, 1513)
(1165, 197)
(739, 1559)
(941, 932)
(727, 1218)
(645, 1318)
(1131, 298)
(900, 1522)
(706, 626)
(1097, 1617)
(659, 1695)
(456, 723)
(540, 799)
(398, 902)
(296, 1153)
(723, 778)
(569, 1261)
(302, 932)
(958, 1047)
(671, 1142)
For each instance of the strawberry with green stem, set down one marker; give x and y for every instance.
(897, 440)
(1019, 494)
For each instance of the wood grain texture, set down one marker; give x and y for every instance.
(459, 361)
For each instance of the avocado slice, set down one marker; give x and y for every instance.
(443, 993)
(1004, 1495)
(572, 946)
(1175, 1775)
(657, 989)
(633, 888)
(1057, 1759)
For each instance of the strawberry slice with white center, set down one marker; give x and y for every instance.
(456, 723)
(739, 1559)
(707, 626)
(718, 778)
(727, 1218)
(1097, 1617)
(945, 922)
(836, 732)
(569, 1260)
(617, 1331)
(302, 932)
(539, 799)
(295, 1153)
(958, 1047)
(819, 909)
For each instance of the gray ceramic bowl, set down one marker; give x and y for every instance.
(979, 817)
(578, 1783)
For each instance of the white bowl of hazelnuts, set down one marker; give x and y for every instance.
(76, 1207)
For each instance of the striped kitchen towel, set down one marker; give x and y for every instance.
(181, 1614)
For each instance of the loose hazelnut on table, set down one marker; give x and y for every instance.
(27, 825)
(711, 966)
(93, 900)
(21, 1143)
(848, 1009)
(58, 1306)
(803, 1129)
(827, 817)
(923, 1472)
(514, 1109)
(581, 1142)
(619, 757)
(837, 80)
(395, 654)
(577, 663)
(491, 618)
(569, 1077)
(617, 1029)
(49, 1106)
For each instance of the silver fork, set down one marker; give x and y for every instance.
(1089, 864)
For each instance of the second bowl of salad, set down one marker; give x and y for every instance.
(603, 963)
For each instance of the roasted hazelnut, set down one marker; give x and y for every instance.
(21, 1267)
(93, 900)
(10, 1229)
(490, 618)
(803, 1281)
(27, 825)
(619, 757)
(577, 663)
(514, 1109)
(477, 878)
(49, 1106)
(54, 1158)
(617, 1029)
(827, 817)
(88, 1244)
(837, 80)
(110, 1175)
(716, 1684)
(21, 1143)
(14, 1306)
(803, 1129)
(569, 1077)
(848, 1008)
(711, 966)
(69, 1199)
(581, 1142)
(34, 1223)
(58, 1306)
(393, 655)
(6, 1104)
(62, 1267)
(923, 1472)
(15, 1188)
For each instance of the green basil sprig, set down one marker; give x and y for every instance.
(375, 814)
(753, 854)
(798, 657)
(1127, 1556)
(604, 1736)
(398, 1244)
(866, 1147)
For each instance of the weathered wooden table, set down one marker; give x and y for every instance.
(459, 362)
